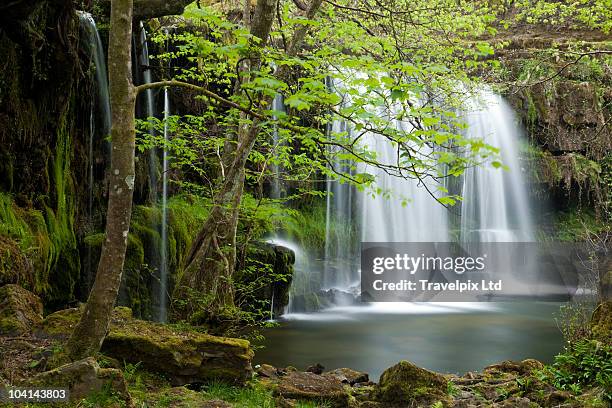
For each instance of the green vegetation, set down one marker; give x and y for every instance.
(585, 364)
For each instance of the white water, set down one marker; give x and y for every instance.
(163, 267)
(495, 205)
(277, 190)
(155, 195)
(99, 115)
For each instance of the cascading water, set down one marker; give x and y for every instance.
(158, 194)
(495, 206)
(163, 267)
(99, 116)
(276, 188)
(149, 110)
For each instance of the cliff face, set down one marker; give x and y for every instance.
(563, 94)
(42, 144)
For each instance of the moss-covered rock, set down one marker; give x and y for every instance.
(20, 310)
(14, 266)
(184, 357)
(406, 384)
(83, 378)
(304, 386)
(264, 278)
(601, 322)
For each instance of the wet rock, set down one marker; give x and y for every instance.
(20, 310)
(183, 356)
(316, 369)
(348, 376)
(406, 384)
(297, 385)
(267, 371)
(272, 263)
(83, 378)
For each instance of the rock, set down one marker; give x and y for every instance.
(273, 265)
(406, 384)
(316, 369)
(20, 310)
(524, 367)
(184, 357)
(556, 398)
(15, 267)
(311, 387)
(83, 378)
(348, 376)
(267, 371)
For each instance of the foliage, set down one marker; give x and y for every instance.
(355, 61)
(573, 14)
(576, 225)
(574, 320)
(585, 364)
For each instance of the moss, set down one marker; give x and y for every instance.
(181, 355)
(601, 322)
(405, 382)
(14, 266)
(20, 310)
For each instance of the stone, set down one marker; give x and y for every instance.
(83, 378)
(406, 383)
(184, 357)
(316, 369)
(20, 310)
(267, 371)
(349, 376)
(312, 387)
(524, 367)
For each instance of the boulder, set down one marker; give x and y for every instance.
(267, 371)
(184, 357)
(303, 386)
(20, 310)
(405, 384)
(316, 368)
(348, 376)
(524, 367)
(83, 378)
(269, 268)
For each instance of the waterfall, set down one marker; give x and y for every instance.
(149, 110)
(495, 204)
(163, 267)
(341, 249)
(158, 182)
(276, 190)
(99, 115)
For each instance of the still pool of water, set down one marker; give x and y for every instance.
(444, 337)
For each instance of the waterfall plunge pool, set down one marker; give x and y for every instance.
(444, 337)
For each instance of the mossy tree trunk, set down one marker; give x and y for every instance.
(212, 259)
(93, 326)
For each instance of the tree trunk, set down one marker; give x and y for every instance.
(93, 326)
(211, 262)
